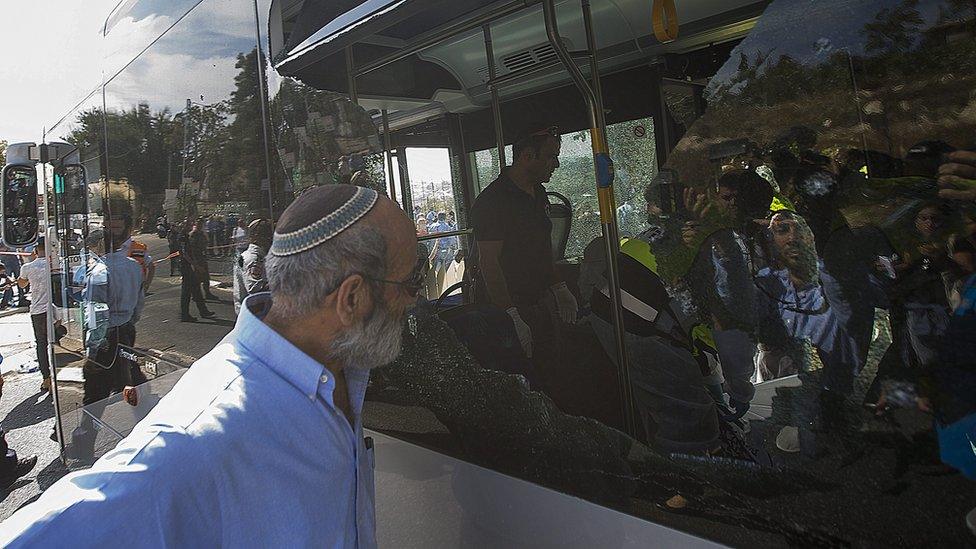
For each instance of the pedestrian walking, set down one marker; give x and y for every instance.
(190, 284)
(37, 274)
(197, 252)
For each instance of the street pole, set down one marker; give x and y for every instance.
(264, 116)
(181, 192)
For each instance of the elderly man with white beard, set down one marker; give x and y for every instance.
(260, 444)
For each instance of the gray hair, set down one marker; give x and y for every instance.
(299, 283)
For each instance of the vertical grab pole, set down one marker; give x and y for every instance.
(594, 62)
(405, 193)
(388, 153)
(495, 106)
(351, 75)
(608, 218)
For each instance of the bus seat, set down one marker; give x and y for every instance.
(561, 215)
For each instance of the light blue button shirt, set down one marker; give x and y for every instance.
(248, 450)
(115, 279)
(805, 313)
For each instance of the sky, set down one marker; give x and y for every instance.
(50, 61)
(54, 54)
(37, 95)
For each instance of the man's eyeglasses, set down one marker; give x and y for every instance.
(412, 284)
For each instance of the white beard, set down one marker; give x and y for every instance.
(375, 342)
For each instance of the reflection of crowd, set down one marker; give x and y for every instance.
(792, 263)
(790, 273)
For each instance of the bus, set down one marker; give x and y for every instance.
(776, 161)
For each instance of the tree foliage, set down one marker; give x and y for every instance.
(218, 146)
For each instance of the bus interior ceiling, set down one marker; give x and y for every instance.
(451, 75)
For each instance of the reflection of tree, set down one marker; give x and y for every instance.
(245, 137)
(221, 144)
(894, 29)
(3, 152)
(314, 129)
(913, 82)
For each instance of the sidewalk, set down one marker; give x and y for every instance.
(13, 311)
(16, 342)
(27, 414)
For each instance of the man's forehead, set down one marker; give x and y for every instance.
(781, 221)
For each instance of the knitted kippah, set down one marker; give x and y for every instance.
(318, 215)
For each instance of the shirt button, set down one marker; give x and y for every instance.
(324, 378)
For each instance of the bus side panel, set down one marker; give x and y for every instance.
(427, 499)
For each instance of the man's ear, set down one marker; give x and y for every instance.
(353, 300)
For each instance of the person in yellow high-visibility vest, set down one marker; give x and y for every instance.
(670, 359)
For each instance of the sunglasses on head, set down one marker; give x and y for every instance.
(552, 131)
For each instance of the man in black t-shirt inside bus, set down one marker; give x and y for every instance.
(512, 231)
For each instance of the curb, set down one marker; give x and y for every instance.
(14, 311)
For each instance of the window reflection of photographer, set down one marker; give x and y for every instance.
(796, 310)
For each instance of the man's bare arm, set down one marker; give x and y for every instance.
(489, 259)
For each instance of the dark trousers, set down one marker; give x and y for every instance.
(488, 334)
(39, 322)
(127, 337)
(204, 278)
(190, 288)
(108, 372)
(544, 325)
(8, 457)
(174, 263)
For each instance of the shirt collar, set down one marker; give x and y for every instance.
(277, 353)
(540, 189)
